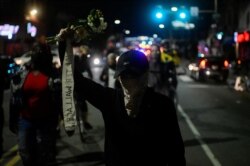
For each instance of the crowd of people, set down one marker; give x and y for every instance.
(137, 97)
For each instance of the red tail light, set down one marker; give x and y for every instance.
(226, 64)
(202, 64)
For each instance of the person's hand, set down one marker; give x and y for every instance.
(65, 33)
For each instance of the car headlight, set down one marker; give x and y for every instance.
(18, 61)
(96, 61)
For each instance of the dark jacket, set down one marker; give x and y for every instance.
(152, 138)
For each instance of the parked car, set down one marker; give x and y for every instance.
(210, 67)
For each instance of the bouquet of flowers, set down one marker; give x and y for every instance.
(82, 29)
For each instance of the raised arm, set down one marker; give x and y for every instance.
(99, 96)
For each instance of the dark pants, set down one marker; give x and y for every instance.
(37, 142)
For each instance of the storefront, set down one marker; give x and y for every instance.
(16, 39)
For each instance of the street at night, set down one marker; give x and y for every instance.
(125, 83)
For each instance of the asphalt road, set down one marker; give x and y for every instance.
(215, 123)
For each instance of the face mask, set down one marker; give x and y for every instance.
(132, 85)
(133, 88)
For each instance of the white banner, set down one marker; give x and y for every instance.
(69, 112)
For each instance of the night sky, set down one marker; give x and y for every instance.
(135, 15)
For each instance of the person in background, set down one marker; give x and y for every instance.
(169, 54)
(162, 76)
(141, 126)
(38, 111)
(166, 54)
(108, 72)
(111, 46)
(82, 61)
(83, 66)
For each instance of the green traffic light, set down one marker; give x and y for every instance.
(183, 15)
(159, 15)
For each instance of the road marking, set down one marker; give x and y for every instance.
(13, 149)
(185, 78)
(13, 161)
(197, 135)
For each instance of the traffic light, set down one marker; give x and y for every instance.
(159, 14)
(183, 14)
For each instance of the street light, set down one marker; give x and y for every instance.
(33, 12)
(155, 35)
(127, 32)
(174, 9)
(117, 21)
(161, 26)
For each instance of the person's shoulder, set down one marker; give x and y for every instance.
(162, 104)
(158, 97)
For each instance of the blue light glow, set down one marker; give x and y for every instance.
(183, 15)
(159, 15)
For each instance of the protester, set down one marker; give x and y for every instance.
(162, 75)
(141, 126)
(170, 53)
(38, 111)
(108, 72)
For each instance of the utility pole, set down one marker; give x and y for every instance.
(215, 6)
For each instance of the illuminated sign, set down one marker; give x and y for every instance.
(180, 24)
(8, 30)
(31, 29)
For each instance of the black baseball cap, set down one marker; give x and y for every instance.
(132, 62)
